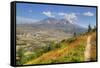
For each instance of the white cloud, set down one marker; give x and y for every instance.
(48, 13)
(71, 17)
(61, 13)
(30, 11)
(88, 14)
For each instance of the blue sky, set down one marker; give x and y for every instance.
(75, 14)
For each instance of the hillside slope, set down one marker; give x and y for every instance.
(71, 50)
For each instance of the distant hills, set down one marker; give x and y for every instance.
(56, 24)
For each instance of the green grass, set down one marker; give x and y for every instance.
(38, 52)
(74, 55)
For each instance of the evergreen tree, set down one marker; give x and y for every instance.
(74, 34)
(89, 28)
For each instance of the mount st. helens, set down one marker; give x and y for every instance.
(54, 24)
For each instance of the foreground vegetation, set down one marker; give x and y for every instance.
(67, 50)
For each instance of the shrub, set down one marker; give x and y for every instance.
(70, 40)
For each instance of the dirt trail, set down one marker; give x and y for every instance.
(87, 54)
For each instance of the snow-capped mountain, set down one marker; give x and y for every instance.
(60, 24)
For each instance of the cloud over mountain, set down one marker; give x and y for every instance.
(48, 14)
(71, 17)
(88, 14)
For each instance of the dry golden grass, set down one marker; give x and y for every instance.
(58, 52)
(69, 47)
